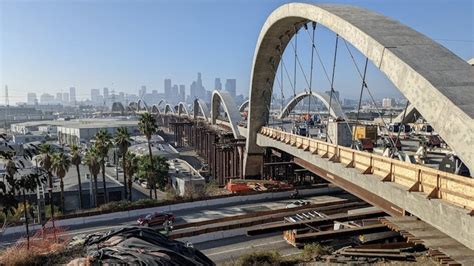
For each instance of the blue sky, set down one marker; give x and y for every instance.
(48, 46)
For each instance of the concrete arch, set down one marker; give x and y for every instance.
(169, 109)
(142, 105)
(182, 109)
(118, 107)
(336, 109)
(201, 107)
(243, 106)
(438, 83)
(155, 109)
(133, 106)
(224, 99)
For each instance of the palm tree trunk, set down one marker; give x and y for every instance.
(150, 181)
(129, 188)
(61, 184)
(154, 188)
(106, 196)
(151, 154)
(51, 204)
(95, 191)
(124, 165)
(80, 186)
(25, 211)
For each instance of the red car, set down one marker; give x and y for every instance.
(157, 218)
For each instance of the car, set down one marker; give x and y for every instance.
(157, 218)
(298, 203)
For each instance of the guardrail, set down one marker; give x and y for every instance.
(452, 188)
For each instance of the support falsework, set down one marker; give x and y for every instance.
(441, 199)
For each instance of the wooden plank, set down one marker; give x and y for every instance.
(342, 233)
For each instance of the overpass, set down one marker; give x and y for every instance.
(438, 84)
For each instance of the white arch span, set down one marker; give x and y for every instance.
(200, 107)
(438, 83)
(182, 109)
(243, 106)
(169, 109)
(336, 109)
(224, 99)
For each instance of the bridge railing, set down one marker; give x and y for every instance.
(453, 188)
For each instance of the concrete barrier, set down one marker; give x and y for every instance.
(176, 207)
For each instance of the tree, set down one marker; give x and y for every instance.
(103, 143)
(131, 161)
(123, 141)
(92, 161)
(76, 160)
(46, 151)
(156, 174)
(60, 164)
(148, 127)
(18, 178)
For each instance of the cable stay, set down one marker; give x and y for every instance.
(359, 105)
(332, 84)
(311, 71)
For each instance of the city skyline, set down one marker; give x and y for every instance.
(125, 48)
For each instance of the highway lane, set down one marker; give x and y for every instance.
(227, 251)
(190, 215)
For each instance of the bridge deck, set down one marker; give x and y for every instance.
(441, 199)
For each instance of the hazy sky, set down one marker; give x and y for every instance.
(49, 46)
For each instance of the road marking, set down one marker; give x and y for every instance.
(242, 248)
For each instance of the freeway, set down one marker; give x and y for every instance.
(227, 251)
(184, 216)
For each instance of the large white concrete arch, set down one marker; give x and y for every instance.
(200, 107)
(169, 109)
(438, 83)
(243, 106)
(155, 109)
(182, 109)
(336, 109)
(224, 99)
(142, 105)
(118, 107)
(133, 106)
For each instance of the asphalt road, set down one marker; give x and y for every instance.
(190, 215)
(227, 251)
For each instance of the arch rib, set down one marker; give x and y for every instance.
(336, 109)
(243, 106)
(182, 109)
(438, 83)
(201, 107)
(169, 109)
(224, 99)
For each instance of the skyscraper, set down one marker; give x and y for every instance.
(65, 98)
(217, 84)
(230, 87)
(59, 97)
(106, 94)
(46, 98)
(95, 96)
(72, 95)
(31, 98)
(182, 93)
(141, 92)
(167, 89)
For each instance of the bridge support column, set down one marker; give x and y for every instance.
(254, 165)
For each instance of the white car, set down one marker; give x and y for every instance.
(297, 203)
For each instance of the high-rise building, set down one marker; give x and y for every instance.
(167, 89)
(46, 98)
(217, 84)
(65, 98)
(230, 87)
(142, 92)
(335, 94)
(95, 96)
(106, 93)
(388, 102)
(59, 97)
(31, 98)
(72, 95)
(182, 93)
(196, 89)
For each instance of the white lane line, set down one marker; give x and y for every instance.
(242, 248)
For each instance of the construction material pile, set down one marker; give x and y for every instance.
(139, 246)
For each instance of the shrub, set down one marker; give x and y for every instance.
(310, 251)
(171, 194)
(260, 258)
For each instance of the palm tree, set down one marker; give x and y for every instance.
(123, 141)
(76, 160)
(45, 151)
(147, 126)
(103, 143)
(60, 164)
(156, 174)
(92, 160)
(131, 168)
